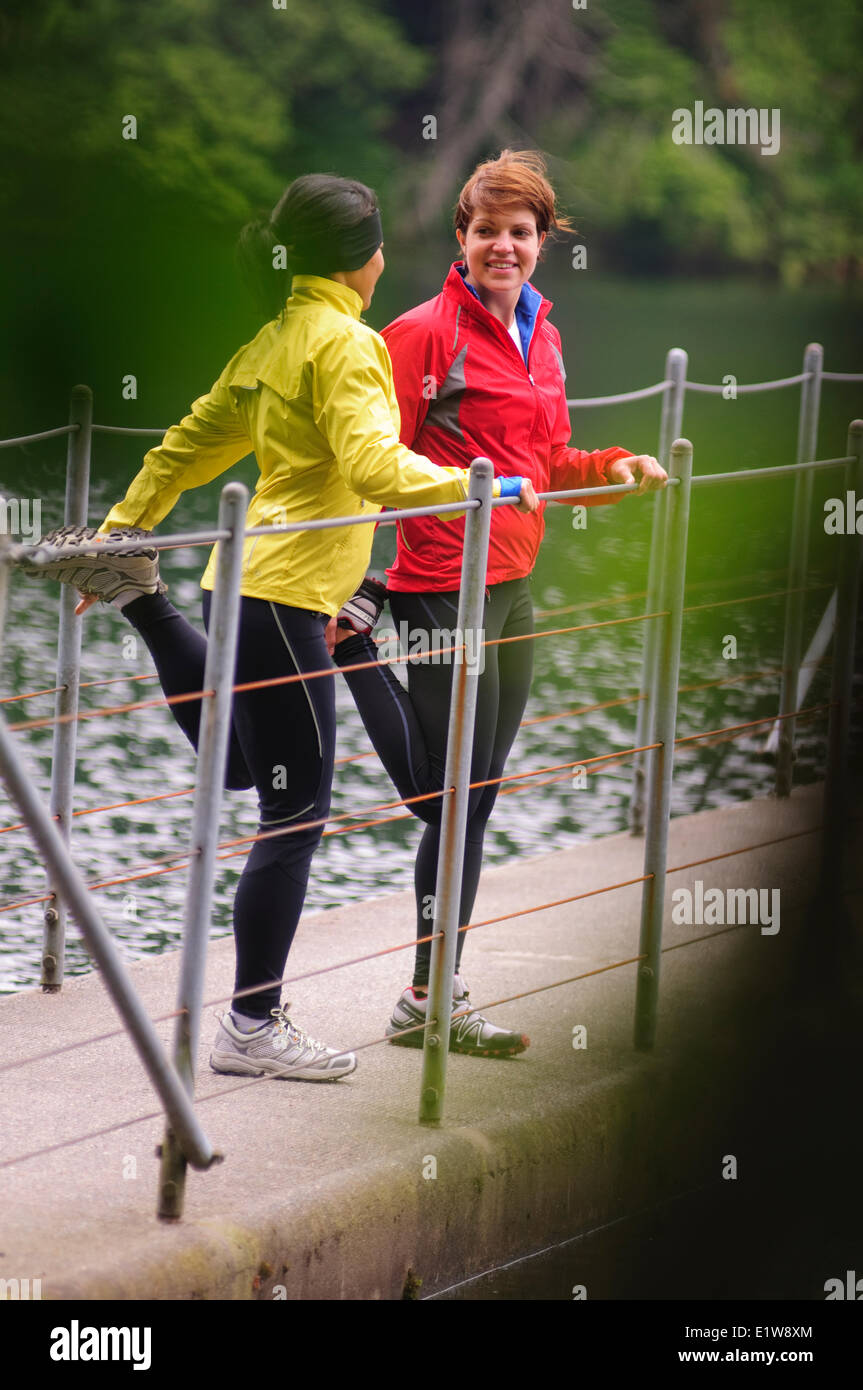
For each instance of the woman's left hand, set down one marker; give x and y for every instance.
(642, 469)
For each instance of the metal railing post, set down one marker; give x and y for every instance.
(48, 839)
(836, 783)
(663, 704)
(798, 561)
(5, 567)
(467, 667)
(670, 426)
(68, 680)
(209, 782)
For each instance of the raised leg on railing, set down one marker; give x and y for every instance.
(454, 810)
(670, 426)
(68, 680)
(836, 786)
(663, 702)
(209, 781)
(798, 562)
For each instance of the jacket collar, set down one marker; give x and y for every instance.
(320, 289)
(530, 310)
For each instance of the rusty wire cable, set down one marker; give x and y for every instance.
(376, 1042)
(256, 1080)
(329, 671)
(164, 865)
(525, 723)
(539, 613)
(414, 941)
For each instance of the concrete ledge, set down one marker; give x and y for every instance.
(323, 1192)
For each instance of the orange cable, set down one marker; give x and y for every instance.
(253, 1081)
(314, 675)
(389, 950)
(582, 762)
(525, 723)
(768, 719)
(753, 598)
(14, 699)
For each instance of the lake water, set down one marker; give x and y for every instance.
(615, 337)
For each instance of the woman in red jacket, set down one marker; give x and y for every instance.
(478, 371)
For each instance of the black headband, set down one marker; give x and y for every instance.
(345, 249)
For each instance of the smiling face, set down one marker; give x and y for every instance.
(501, 247)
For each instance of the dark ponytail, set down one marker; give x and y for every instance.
(257, 254)
(319, 221)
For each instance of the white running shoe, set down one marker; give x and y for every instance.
(279, 1048)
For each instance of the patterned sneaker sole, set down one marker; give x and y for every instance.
(90, 573)
(240, 1066)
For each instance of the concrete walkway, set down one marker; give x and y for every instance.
(336, 1191)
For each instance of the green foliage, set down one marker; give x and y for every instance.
(805, 60)
(230, 97)
(796, 212)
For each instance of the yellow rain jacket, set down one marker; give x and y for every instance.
(312, 395)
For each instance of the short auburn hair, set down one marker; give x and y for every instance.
(517, 178)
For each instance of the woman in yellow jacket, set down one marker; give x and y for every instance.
(313, 396)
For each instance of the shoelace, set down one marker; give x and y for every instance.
(294, 1033)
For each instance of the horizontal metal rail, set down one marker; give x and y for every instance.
(45, 554)
(154, 432)
(579, 402)
(779, 471)
(779, 384)
(43, 434)
(622, 396)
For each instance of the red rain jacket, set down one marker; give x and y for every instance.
(464, 390)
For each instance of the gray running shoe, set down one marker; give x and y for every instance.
(279, 1048)
(470, 1032)
(91, 572)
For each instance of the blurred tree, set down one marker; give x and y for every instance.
(120, 249)
(229, 96)
(104, 238)
(595, 88)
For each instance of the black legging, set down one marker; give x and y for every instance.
(282, 742)
(408, 728)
